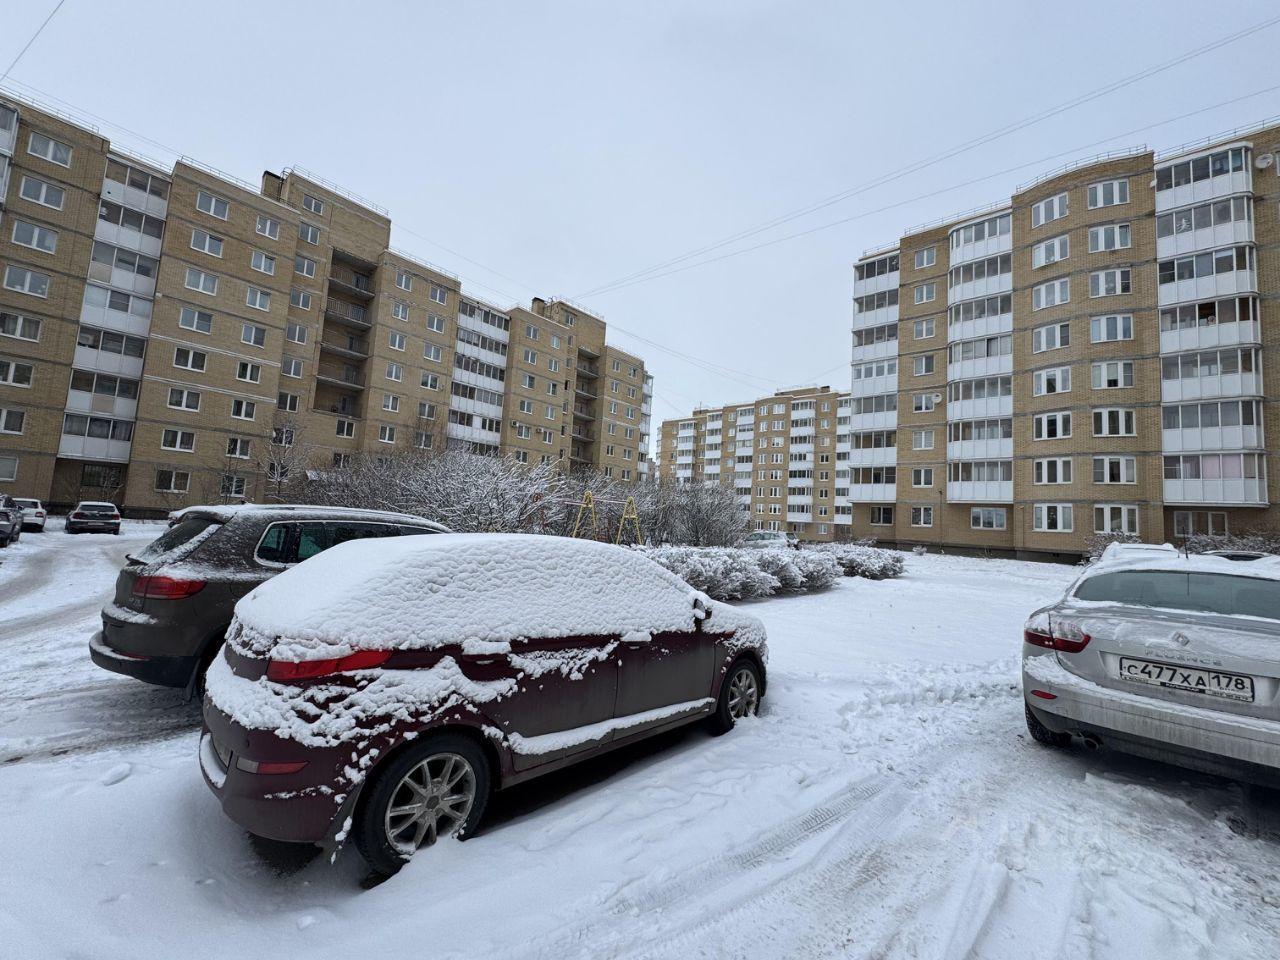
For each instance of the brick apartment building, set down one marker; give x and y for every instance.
(174, 335)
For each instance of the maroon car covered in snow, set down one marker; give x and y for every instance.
(382, 689)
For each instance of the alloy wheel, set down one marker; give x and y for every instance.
(432, 799)
(744, 693)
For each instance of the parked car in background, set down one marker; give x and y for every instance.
(769, 538)
(1165, 655)
(10, 520)
(33, 514)
(93, 515)
(175, 597)
(384, 689)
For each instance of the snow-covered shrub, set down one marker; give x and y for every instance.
(799, 570)
(872, 563)
(1264, 541)
(1098, 542)
(723, 573)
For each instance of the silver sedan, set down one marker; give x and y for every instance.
(1155, 653)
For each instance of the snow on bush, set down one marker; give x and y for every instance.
(1264, 541)
(859, 560)
(731, 573)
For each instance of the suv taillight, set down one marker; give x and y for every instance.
(166, 588)
(1073, 643)
(77, 515)
(310, 669)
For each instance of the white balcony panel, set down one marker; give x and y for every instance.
(87, 358)
(1216, 335)
(464, 405)
(1245, 491)
(798, 446)
(873, 457)
(7, 139)
(121, 236)
(685, 460)
(870, 386)
(1224, 186)
(873, 492)
(125, 280)
(998, 449)
(1206, 238)
(875, 351)
(886, 281)
(986, 287)
(115, 320)
(981, 249)
(979, 491)
(94, 448)
(981, 327)
(480, 353)
(1196, 439)
(482, 328)
(844, 519)
(800, 482)
(982, 367)
(803, 503)
(117, 408)
(875, 318)
(1201, 388)
(1207, 288)
(471, 434)
(981, 409)
(128, 196)
(886, 420)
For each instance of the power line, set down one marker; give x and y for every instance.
(941, 190)
(39, 30)
(964, 147)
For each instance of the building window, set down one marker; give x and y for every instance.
(390, 403)
(27, 281)
(291, 367)
(922, 516)
(253, 335)
(1053, 380)
(231, 485)
(399, 310)
(1051, 426)
(18, 327)
(926, 293)
(924, 329)
(1113, 237)
(432, 352)
(238, 448)
(8, 469)
(922, 402)
(308, 233)
(1051, 293)
(1051, 251)
(1115, 518)
(395, 340)
(882, 516)
(37, 238)
(988, 518)
(1109, 193)
(268, 227)
(395, 372)
(1051, 470)
(1205, 264)
(172, 481)
(431, 381)
(206, 243)
(12, 421)
(1113, 375)
(1046, 211)
(243, 409)
(1188, 522)
(189, 359)
(202, 282)
(263, 263)
(258, 299)
(923, 365)
(1202, 168)
(1052, 517)
(922, 477)
(438, 294)
(198, 320)
(304, 266)
(435, 323)
(183, 440)
(55, 151)
(926, 258)
(386, 433)
(922, 439)
(295, 333)
(42, 192)
(1114, 422)
(403, 280)
(180, 399)
(1116, 326)
(312, 204)
(288, 402)
(1115, 469)
(346, 428)
(214, 206)
(1216, 213)
(1109, 283)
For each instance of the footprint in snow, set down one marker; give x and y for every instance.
(117, 773)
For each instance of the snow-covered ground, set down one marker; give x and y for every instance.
(888, 804)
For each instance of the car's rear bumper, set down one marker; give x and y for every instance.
(1201, 737)
(163, 671)
(295, 807)
(106, 526)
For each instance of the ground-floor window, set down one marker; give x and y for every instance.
(882, 516)
(1188, 522)
(1053, 517)
(8, 469)
(922, 516)
(232, 486)
(988, 518)
(1115, 518)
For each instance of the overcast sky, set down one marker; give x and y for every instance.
(567, 145)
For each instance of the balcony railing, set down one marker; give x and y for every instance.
(583, 412)
(351, 314)
(583, 392)
(349, 280)
(355, 347)
(340, 376)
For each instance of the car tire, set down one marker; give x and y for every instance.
(1042, 734)
(425, 764)
(739, 695)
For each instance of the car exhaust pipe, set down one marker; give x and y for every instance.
(1092, 742)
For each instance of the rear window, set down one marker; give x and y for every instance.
(26, 503)
(180, 534)
(1199, 592)
(295, 542)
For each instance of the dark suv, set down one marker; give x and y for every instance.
(175, 597)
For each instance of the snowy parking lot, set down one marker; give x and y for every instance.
(887, 803)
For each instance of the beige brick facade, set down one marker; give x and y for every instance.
(173, 336)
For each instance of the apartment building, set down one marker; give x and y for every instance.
(1091, 356)
(784, 455)
(173, 335)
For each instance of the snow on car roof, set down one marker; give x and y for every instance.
(97, 503)
(424, 592)
(225, 512)
(1171, 560)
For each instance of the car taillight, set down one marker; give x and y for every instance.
(267, 767)
(309, 669)
(115, 516)
(77, 515)
(166, 588)
(1067, 638)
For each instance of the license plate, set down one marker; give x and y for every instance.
(1213, 683)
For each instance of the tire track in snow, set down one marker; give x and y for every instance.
(23, 576)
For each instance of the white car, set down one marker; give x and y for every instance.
(33, 513)
(1164, 655)
(761, 539)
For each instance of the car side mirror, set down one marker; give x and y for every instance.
(701, 612)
